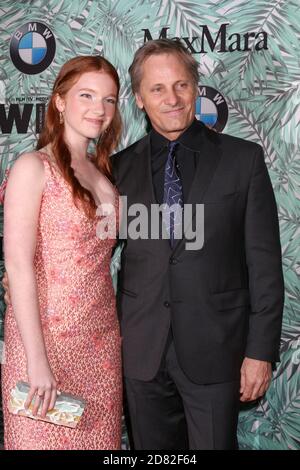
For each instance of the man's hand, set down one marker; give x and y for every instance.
(255, 378)
(5, 285)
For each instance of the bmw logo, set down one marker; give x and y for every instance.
(32, 48)
(211, 108)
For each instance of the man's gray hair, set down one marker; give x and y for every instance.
(157, 47)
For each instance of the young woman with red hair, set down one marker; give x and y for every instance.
(61, 329)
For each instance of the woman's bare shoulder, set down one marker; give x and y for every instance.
(29, 159)
(28, 167)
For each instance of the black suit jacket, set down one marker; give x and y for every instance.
(223, 301)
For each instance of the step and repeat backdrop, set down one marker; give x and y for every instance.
(249, 59)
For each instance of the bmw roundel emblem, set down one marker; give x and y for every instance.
(211, 108)
(32, 48)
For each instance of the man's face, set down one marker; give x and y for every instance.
(168, 94)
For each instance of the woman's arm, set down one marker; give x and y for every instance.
(21, 211)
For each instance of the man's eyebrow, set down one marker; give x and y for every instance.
(177, 81)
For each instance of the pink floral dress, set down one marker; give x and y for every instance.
(80, 327)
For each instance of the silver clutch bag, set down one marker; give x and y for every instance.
(67, 411)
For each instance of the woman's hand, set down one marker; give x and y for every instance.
(43, 388)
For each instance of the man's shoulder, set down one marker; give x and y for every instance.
(227, 142)
(235, 150)
(231, 142)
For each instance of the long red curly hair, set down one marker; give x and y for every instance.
(53, 130)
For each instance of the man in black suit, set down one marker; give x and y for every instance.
(200, 327)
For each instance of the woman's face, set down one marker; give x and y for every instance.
(89, 106)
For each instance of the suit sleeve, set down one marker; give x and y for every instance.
(263, 253)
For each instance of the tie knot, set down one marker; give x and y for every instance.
(172, 146)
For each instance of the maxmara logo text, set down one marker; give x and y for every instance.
(219, 41)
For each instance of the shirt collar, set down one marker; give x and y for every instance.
(190, 138)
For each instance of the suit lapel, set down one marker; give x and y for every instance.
(143, 172)
(145, 194)
(209, 157)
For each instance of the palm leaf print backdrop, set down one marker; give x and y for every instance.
(261, 88)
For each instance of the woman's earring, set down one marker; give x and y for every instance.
(61, 118)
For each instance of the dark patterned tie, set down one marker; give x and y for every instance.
(172, 216)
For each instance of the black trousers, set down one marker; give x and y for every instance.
(171, 412)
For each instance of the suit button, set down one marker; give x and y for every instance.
(173, 261)
(167, 304)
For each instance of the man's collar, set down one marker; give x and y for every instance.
(190, 138)
(158, 142)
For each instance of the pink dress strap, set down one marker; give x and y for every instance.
(49, 167)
